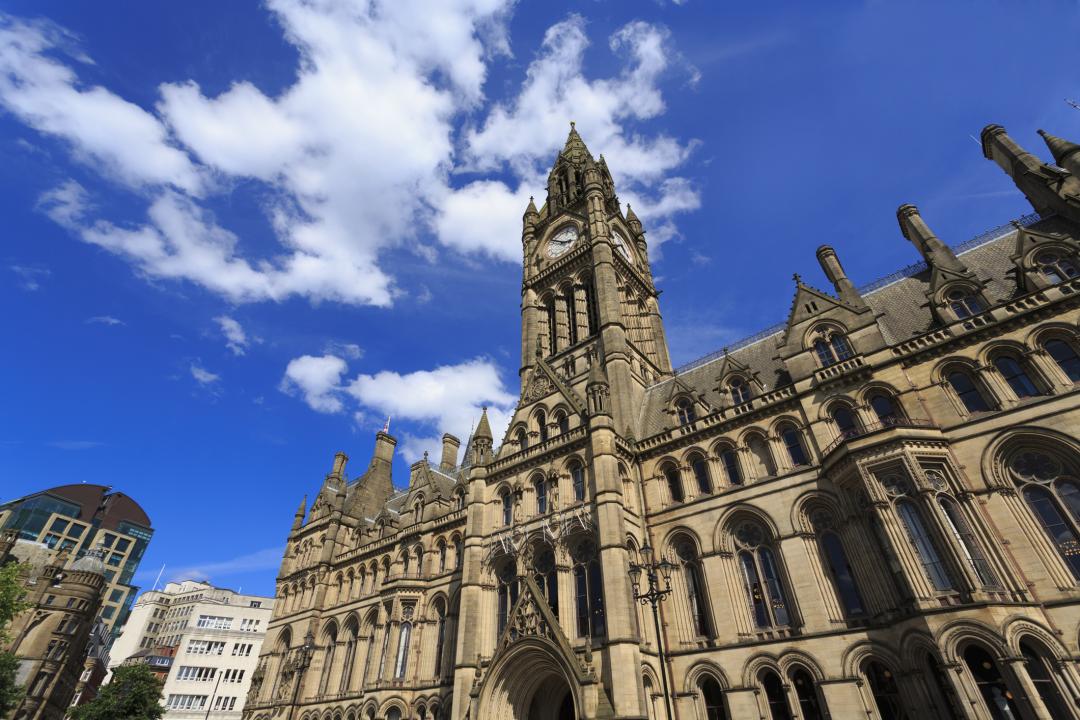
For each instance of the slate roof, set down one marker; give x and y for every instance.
(899, 300)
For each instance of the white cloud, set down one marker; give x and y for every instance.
(75, 444)
(104, 320)
(350, 351)
(357, 155)
(317, 380)
(202, 375)
(30, 277)
(235, 337)
(104, 130)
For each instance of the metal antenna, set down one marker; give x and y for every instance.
(1073, 103)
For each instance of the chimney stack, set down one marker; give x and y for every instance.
(384, 447)
(830, 265)
(450, 445)
(936, 253)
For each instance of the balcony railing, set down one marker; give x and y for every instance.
(887, 424)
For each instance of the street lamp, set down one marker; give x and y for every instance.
(652, 595)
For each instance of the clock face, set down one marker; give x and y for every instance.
(562, 241)
(620, 244)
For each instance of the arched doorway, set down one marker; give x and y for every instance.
(531, 681)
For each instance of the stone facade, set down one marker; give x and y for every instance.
(871, 510)
(50, 637)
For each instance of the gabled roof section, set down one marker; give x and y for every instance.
(808, 303)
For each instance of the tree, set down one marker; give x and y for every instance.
(11, 604)
(133, 694)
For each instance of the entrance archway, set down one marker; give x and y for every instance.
(530, 681)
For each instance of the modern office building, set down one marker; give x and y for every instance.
(204, 640)
(871, 510)
(77, 518)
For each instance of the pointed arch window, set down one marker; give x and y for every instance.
(541, 424)
(577, 480)
(696, 596)
(832, 347)
(1065, 356)
(369, 656)
(330, 641)
(700, 467)
(1015, 374)
(924, 546)
(684, 408)
(552, 326)
(540, 488)
(1054, 499)
(713, 698)
(730, 460)
(349, 659)
(1055, 266)
(440, 636)
(1042, 672)
(522, 439)
(546, 575)
(970, 548)
(459, 550)
(884, 406)
(942, 695)
(404, 636)
(995, 693)
(840, 570)
(964, 303)
(775, 696)
(442, 556)
(592, 317)
(740, 390)
(507, 502)
(588, 591)
(761, 577)
(884, 690)
(674, 482)
(845, 419)
(793, 442)
(571, 314)
(806, 693)
(562, 421)
(507, 592)
(966, 388)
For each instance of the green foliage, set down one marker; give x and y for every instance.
(133, 694)
(11, 604)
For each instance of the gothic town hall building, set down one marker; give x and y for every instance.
(872, 510)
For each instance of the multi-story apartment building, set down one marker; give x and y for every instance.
(77, 518)
(869, 511)
(50, 636)
(205, 640)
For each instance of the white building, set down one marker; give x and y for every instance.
(213, 635)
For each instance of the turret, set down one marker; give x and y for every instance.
(298, 518)
(1065, 153)
(1050, 189)
(845, 289)
(936, 253)
(482, 441)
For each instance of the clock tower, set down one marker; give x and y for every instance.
(587, 289)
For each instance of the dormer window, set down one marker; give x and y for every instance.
(964, 303)
(740, 390)
(832, 348)
(1055, 267)
(684, 408)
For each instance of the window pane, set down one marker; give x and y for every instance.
(884, 408)
(841, 347)
(701, 473)
(1055, 525)
(924, 547)
(796, 451)
(886, 695)
(969, 546)
(807, 695)
(1014, 374)
(753, 591)
(1042, 677)
(1065, 357)
(731, 466)
(844, 419)
(841, 572)
(824, 353)
(993, 689)
(577, 477)
(675, 488)
(774, 694)
(771, 575)
(968, 393)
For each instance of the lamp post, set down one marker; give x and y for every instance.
(653, 595)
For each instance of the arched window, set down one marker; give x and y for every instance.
(369, 656)
(349, 660)
(740, 390)
(806, 692)
(995, 693)
(1013, 372)
(840, 346)
(459, 553)
(507, 592)
(546, 575)
(571, 313)
(942, 696)
(404, 636)
(793, 442)
(577, 480)
(964, 303)
(759, 451)
(441, 548)
(562, 421)
(329, 649)
(684, 408)
(1042, 672)
(507, 507)
(884, 406)
(831, 348)
(761, 577)
(713, 698)
(730, 460)
(845, 419)
(1065, 356)
(552, 325)
(440, 636)
(1054, 498)
(696, 597)
(1055, 266)
(774, 695)
(842, 575)
(965, 387)
(884, 690)
(970, 548)
(541, 424)
(522, 439)
(459, 500)
(588, 591)
(700, 467)
(540, 488)
(924, 546)
(590, 306)
(393, 714)
(674, 482)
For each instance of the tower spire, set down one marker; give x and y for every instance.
(1064, 152)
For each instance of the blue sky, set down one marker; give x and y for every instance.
(236, 236)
